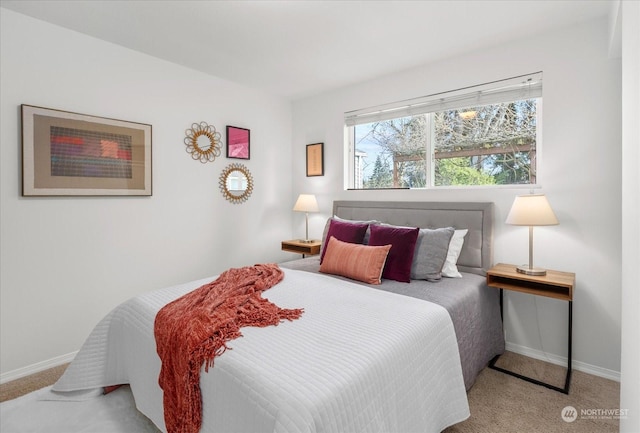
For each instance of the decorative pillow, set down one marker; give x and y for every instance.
(455, 246)
(403, 245)
(430, 254)
(325, 239)
(358, 262)
(346, 232)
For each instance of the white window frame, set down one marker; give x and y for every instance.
(517, 88)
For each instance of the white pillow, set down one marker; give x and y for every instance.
(455, 246)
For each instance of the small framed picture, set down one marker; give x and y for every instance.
(238, 142)
(65, 153)
(315, 159)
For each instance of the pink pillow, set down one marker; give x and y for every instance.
(346, 232)
(403, 245)
(358, 262)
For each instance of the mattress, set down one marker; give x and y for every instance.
(357, 360)
(474, 309)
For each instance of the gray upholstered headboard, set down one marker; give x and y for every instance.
(477, 252)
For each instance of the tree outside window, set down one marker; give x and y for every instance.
(482, 145)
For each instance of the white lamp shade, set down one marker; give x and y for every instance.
(306, 203)
(531, 210)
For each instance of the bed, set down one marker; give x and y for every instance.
(473, 306)
(361, 358)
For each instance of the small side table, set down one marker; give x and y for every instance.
(555, 284)
(305, 248)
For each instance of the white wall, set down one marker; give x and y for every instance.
(630, 383)
(67, 261)
(580, 163)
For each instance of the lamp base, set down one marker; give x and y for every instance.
(525, 269)
(306, 241)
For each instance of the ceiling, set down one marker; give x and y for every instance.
(301, 48)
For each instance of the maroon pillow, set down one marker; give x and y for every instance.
(403, 245)
(345, 232)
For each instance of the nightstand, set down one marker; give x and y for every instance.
(555, 284)
(301, 247)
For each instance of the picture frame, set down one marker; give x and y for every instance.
(315, 159)
(72, 154)
(238, 143)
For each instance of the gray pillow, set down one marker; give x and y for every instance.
(430, 253)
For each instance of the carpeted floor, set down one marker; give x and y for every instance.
(498, 402)
(503, 403)
(25, 385)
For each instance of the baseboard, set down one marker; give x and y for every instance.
(559, 360)
(37, 367)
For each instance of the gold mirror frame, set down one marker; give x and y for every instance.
(224, 177)
(198, 152)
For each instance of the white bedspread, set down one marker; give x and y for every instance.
(357, 360)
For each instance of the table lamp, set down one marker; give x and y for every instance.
(306, 203)
(531, 210)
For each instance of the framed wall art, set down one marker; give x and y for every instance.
(65, 153)
(315, 159)
(238, 142)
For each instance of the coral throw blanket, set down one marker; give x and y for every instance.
(194, 329)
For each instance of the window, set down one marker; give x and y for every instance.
(482, 135)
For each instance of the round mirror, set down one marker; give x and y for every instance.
(202, 142)
(236, 183)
